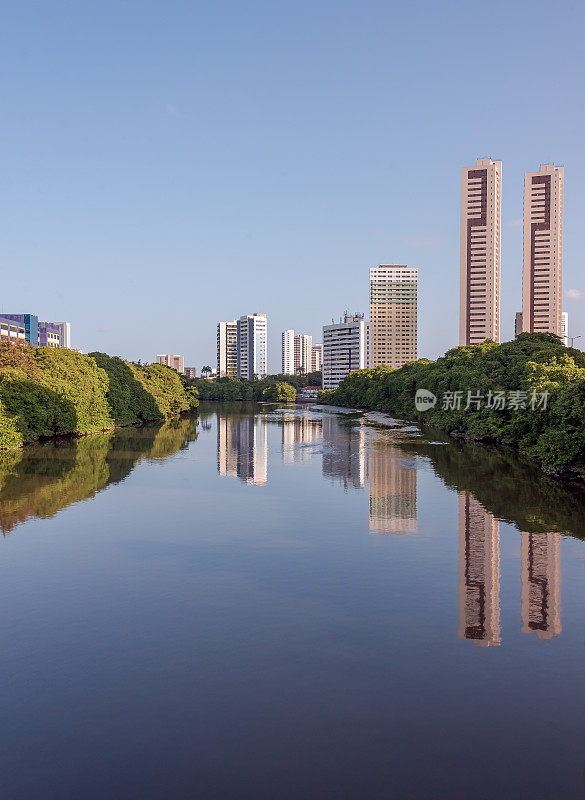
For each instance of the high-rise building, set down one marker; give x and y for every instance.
(303, 347)
(251, 342)
(288, 352)
(565, 328)
(518, 324)
(316, 358)
(479, 573)
(345, 348)
(541, 584)
(227, 349)
(393, 314)
(542, 281)
(175, 362)
(481, 193)
(190, 372)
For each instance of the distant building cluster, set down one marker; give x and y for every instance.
(390, 336)
(299, 354)
(26, 329)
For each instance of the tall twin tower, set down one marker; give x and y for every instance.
(481, 204)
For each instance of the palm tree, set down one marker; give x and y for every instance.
(206, 372)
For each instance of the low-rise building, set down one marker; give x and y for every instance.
(173, 361)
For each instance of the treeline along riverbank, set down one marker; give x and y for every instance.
(276, 388)
(48, 392)
(487, 393)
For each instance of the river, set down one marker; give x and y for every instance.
(288, 603)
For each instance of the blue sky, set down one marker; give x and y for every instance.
(169, 164)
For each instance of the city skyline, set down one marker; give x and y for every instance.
(123, 172)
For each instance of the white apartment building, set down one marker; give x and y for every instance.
(542, 280)
(175, 362)
(227, 349)
(393, 315)
(288, 352)
(345, 349)
(252, 346)
(481, 210)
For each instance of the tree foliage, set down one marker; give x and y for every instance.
(48, 391)
(532, 362)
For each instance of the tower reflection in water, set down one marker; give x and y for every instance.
(479, 573)
(242, 449)
(541, 584)
(353, 457)
(479, 577)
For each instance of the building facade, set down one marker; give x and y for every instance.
(49, 334)
(316, 358)
(565, 328)
(288, 352)
(12, 331)
(227, 349)
(303, 348)
(252, 333)
(173, 361)
(393, 315)
(541, 584)
(481, 211)
(542, 279)
(345, 349)
(190, 372)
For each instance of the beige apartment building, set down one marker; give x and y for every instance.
(481, 211)
(542, 283)
(175, 362)
(316, 357)
(393, 315)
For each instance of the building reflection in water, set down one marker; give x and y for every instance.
(242, 448)
(300, 430)
(479, 573)
(541, 584)
(393, 482)
(353, 457)
(344, 453)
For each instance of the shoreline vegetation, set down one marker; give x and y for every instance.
(272, 388)
(47, 392)
(554, 435)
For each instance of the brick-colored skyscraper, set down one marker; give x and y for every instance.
(481, 192)
(542, 283)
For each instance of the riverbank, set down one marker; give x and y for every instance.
(47, 392)
(528, 394)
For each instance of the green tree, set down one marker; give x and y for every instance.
(280, 393)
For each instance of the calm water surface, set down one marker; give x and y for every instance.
(267, 603)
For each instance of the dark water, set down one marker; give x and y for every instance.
(288, 604)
